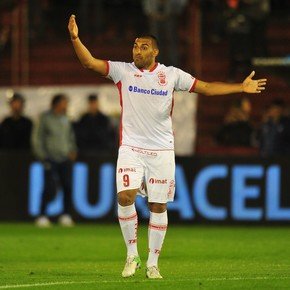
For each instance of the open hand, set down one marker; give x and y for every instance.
(253, 86)
(72, 27)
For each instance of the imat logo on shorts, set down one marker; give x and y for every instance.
(157, 181)
(124, 170)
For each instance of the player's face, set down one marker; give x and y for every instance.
(144, 53)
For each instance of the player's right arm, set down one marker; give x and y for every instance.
(83, 54)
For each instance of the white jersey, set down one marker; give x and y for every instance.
(146, 99)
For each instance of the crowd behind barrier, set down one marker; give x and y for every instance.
(96, 132)
(271, 136)
(100, 115)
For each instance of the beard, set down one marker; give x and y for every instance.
(142, 63)
(139, 63)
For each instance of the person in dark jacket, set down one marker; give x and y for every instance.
(15, 130)
(94, 130)
(237, 129)
(274, 133)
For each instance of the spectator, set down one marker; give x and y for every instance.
(37, 10)
(94, 131)
(258, 12)
(274, 134)
(238, 28)
(237, 129)
(6, 9)
(217, 26)
(15, 130)
(54, 145)
(163, 23)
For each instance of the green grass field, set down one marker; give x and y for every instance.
(193, 257)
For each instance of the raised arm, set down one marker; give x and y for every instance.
(83, 54)
(219, 88)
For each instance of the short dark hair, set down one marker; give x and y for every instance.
(92, 98)
(16, 97)
(57, 99)
(152, 37)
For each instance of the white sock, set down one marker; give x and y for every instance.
(156, 233)
(128, 220)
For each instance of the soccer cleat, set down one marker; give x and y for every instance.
(42, 222)
(132, 264)
(65, 220)
(153, 273)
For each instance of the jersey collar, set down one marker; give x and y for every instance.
(151, 70)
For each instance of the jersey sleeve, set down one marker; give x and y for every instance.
(184, 81)
(116, 70)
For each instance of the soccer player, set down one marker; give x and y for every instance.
(146, 162)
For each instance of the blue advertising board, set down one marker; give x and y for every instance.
(208, 189)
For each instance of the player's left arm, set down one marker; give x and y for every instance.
(219, 88)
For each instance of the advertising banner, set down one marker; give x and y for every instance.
(208, 190)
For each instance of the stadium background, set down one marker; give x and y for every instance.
(215, 184)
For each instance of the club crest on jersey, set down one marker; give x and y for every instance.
(161, 78)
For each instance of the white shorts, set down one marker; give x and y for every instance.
(150, 171)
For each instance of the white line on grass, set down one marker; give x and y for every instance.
(134, 281)
(45, 284)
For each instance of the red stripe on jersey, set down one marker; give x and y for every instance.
(193, 86)
(107, 68)
(172, 105)
(152, 69)
(119, 86)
